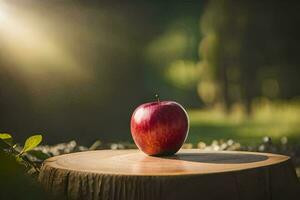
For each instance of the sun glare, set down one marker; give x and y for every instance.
(2, 15)
(32, 50)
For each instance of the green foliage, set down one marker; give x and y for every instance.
(8, 146)
(276, 120)
(7, 138)
(31, 143)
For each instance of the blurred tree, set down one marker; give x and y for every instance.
(172, 54)
(249, 49)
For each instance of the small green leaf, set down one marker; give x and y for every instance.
(7, 138)
(32, 142)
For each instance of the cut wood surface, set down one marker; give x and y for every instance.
(194, 174)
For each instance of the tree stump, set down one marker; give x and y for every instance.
(189, 174)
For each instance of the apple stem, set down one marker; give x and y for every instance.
(157, 97)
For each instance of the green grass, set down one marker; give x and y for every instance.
(275, 120)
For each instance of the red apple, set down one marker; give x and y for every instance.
(159, 128)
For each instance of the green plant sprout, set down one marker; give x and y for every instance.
(8, 145)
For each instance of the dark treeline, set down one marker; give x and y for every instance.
(250, 49)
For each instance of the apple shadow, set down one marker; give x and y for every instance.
(219, 158)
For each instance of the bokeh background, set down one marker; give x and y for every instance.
(74, 69)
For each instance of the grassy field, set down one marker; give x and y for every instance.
(275, 120)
